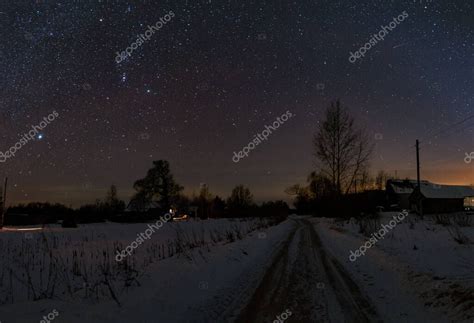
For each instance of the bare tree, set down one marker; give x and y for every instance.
(363, 183)
(240, 197)
(343, 151)
(319, 185)
(381, 179)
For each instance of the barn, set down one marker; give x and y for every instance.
(434, 198)
(398, 192)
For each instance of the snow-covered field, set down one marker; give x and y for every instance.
(239, 270)
(173, 277)
(417, 268)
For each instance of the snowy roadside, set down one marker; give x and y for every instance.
(214, 284)
(412, 273)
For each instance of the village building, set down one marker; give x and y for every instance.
(399, 190)
(436, 199)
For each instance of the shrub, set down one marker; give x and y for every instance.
(457, 234)
(69, 222)
(442, 219)
(368, 224)
(463, 219)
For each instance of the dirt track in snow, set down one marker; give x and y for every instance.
(309, 282)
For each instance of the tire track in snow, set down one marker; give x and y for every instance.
(355, 305)
(293, 285)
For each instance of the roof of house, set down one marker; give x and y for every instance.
(436, 191)
(135, 204)
(404, 186)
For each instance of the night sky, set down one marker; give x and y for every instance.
(213, 76)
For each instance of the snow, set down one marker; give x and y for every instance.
(416, 273)
(406, 272)
(187, 288)
(446, 191)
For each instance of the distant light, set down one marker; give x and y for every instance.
(40, 136)
(25, 229)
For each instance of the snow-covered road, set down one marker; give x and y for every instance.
(310, 283)
(312, 277)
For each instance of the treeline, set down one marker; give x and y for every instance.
(157, 194)
(239, 204)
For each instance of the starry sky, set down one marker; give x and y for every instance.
(213, 76)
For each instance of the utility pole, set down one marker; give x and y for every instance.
(420, 205)
(1, 211)
(3, 203)
(418, 163)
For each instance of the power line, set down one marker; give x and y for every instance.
(409, 151)
(450, 127)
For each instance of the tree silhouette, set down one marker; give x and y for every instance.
(342, 150)
(158, 185)
(113, 204)
(203, 201)
(381, 179)
(240, 201)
